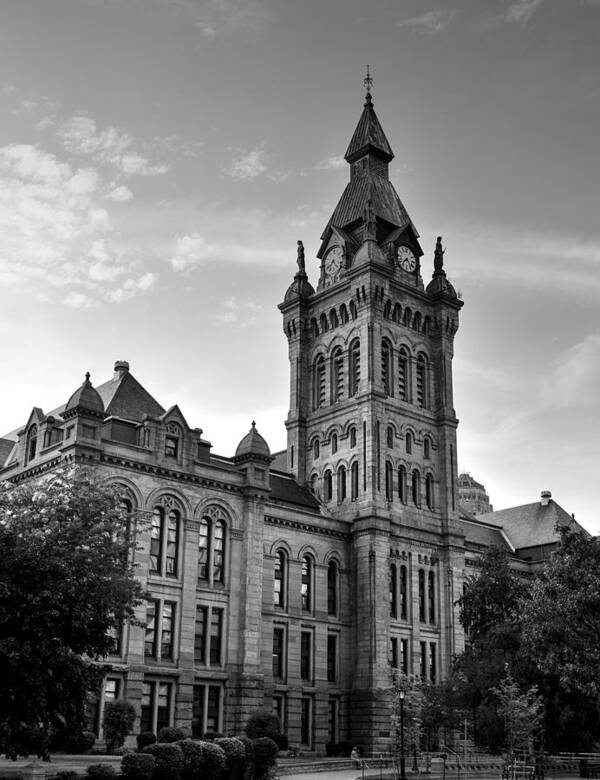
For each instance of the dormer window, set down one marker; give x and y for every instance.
(32, 442)
(171, 446)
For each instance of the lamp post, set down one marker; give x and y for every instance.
(402, 767)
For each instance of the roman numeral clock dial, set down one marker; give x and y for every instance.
(406, 259)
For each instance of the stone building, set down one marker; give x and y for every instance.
(296, 580)
(472, 495)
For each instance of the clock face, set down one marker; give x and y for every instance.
(333, 263)
(406, 258)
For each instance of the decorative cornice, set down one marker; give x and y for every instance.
(313, 529)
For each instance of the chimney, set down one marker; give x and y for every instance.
(546, 496)
(121, 368)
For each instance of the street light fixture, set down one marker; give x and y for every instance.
(402, 767)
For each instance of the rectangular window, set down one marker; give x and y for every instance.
(423, 661)
(404, 655)
(167, 630)
(156, 533)
(200, 634)
(332, 720)
(147, 713)
(331, 658)
(421, 595)
(403, 593)
(171, 446)
(216, 636)
(306, 655)
(172, 544)
(278, 653)
(163, 706)
(305, 720)
(394, 652)
(432, 662)
(111, 689)
(431, 596)
(206, 709)
(151, 618)
(156, 705)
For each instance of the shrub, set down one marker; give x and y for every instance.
(265, 756)
(82, 742)
(171, 734)
(144, 739)
(66, 774)
(168, 759)
(332, 749)
(209, 736)
(235, 755)
(101, 772)
(119, 716)
(263, 723)
(248, 769)
(201, 759)
(138, 766)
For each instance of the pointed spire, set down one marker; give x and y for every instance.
(369, 135)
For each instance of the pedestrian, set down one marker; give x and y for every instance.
(355, 756)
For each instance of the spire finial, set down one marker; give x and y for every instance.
(87, 377)
(368, 83)
(253, 424)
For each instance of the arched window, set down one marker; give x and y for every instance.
(426, 448)
(403, 375)
(386, 367)
(390, 436)
(341, 483)
(327, 486)
(387, 310)
(427, 326)
(319, 382)
(416, 488)
(353, 310)
(314, 481)
(353, 437)
(417, 321)
(393, 592)
(402, 484)
(389, 481)
(332, 588)
(316, 449)
(408, 441)
(397, 313)
(337, 374)
(403, 593)
(211, 546)
(429, 491)
(280, 579)
(431, 596)
(333, 318)
(354, 481)
(164, 540)
(343, 314)
(422, 394)
(32, 442)
(306, 584)
(354, 373)
(406, 319)
(334, 443)
(314, 327)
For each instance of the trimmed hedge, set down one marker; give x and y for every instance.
(171, 734)
(248, 769)
(101, 772)
(138, 766)
(144, 739)
(168, 759)
(265, 756)
(201, 759)
(235, 755)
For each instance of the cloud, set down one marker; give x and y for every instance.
(120, 194)
(575, 379)
(522, 11)
(248, 165)
(430, 22)
(54, 232)
(236, 311)
(110, 146)
(331, 163)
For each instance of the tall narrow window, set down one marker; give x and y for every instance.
(408, 442)
(279, 579)
(416, 488)
(404, 655)
(150, 643)
(343, 314)
(353, 436)
(164, 539)
(211, 546)
(331, 658)
(323, 323)
(432, 662)
(334, 443)
(402, 484)
(332, 720)
(168, 630)
(394, 652)
(429, 491)
(422, 399)
(393, 592)
(306, 584)
(172, 543)
(390, 436)
(316, 449)
(387, 310)
(216, 636)
(389, 481)
(341, 483)
(354, 481)
(327, 485)
(203, 548)
(319, 382)
(403, 593)
(421, 595)
(423, 661)
(32, 442)
(353, 310)
(426, 448)
(354, 372)
(156, 536)
(332, 588)
(218, 551)
(206, 709)
(337, 374)
(431, 596)
(200, 634)
(403, 383)
(386, 367)
(306, 715)
(278, 653)
(306, 641)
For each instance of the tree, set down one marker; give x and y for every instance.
(409, 706)
(522, 714)
(561, 621)
(119, 716)
(66, 587)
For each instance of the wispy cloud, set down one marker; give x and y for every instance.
(431, 22)
(521, 11)
(575, 378)
(194, 250)
(248, 164)
(238, 311)
(109, 146)
(334, 162)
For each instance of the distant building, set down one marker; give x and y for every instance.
(296, 581)
(472, 495)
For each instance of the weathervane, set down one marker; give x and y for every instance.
(368, 83)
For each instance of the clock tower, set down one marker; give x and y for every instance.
(372, 428)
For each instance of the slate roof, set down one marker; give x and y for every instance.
(368, 136)
(279, 462)
(285, 488)
(6, 447)
(483, 534)
(531, 525)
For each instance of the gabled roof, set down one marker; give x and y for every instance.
(483, 534)
(531, 525)
(125, 397)
(368, 137)
(285, 488)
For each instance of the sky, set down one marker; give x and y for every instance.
(159, 159)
